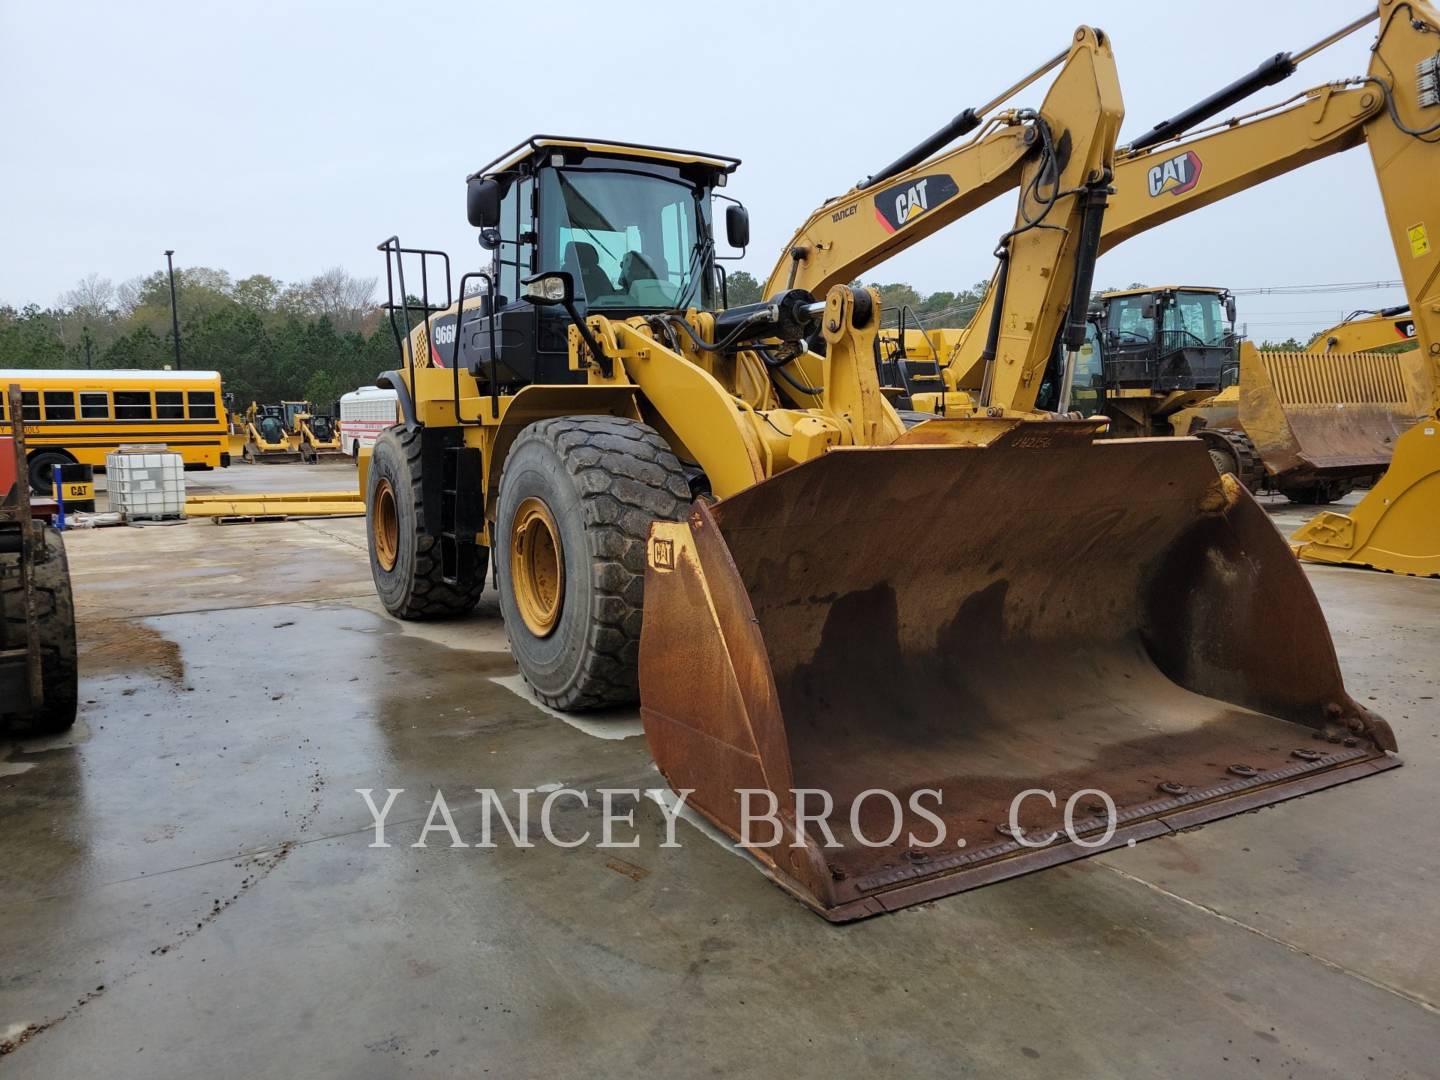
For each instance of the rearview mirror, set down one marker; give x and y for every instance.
(1230, 310)
(737, 226)
(482, 202)
(1147, 310)
(548, 289)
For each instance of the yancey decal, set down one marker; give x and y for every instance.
(1177, 176)
(898, 206)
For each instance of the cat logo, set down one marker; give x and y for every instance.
(662, 554)
(1406, 329)
(1177, 176)
(898, 206)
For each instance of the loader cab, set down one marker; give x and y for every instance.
(1166, 339)
(631, 224)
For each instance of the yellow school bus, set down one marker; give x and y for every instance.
(79, 415)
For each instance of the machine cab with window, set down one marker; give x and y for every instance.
(1167, 339)
(630, 224)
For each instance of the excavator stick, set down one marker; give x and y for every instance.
(991, 633)
(1396, 527)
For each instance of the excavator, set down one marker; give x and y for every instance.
(1028, 642)
(1390, 328)
(1177, 168)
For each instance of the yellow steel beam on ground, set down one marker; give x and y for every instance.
(267, 507)
(278, 496)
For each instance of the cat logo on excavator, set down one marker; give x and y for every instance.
(1177, 176)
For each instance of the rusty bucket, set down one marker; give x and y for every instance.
(1107, 625)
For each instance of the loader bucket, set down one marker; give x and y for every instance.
(1039, 615)
(1316, 417)
(1396, 527)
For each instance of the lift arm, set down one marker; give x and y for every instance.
(921, 192)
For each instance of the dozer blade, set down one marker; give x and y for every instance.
(986, 622)
(1396, 527)
(1314, 417)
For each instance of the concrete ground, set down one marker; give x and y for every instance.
(190, 890)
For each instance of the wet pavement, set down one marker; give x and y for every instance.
(190, 886)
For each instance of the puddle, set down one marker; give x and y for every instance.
(607, 724)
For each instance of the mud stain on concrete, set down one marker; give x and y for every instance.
(111, 645)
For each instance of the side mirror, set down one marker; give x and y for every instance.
(549, 288)
(737, 226)
(1147, 311)
(1230, 310)
(482, 202)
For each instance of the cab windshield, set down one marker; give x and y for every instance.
(628, 239)
(1199, 316)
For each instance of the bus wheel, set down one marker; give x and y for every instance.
(42, 466)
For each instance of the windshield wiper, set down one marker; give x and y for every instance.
(692, 272)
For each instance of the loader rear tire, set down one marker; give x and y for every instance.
(577, 497)
(404, 558)
(54, 629)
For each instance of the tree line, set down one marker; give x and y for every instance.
(271, 341)
(311, 340)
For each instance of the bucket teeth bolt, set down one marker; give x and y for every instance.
(1243, 770)
(1306, 755)
(1014, 832)
(1170, 787)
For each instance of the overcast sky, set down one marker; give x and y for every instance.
(284, 138)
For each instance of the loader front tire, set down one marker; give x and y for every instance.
(54, 631)
(404, 558)
(577, 497)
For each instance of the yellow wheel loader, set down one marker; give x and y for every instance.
(1325, 429)
(1164, 362)
(942, 655)
(266, 438)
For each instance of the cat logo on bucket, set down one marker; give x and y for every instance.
(1177, 176)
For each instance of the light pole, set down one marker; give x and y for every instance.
(174, 308)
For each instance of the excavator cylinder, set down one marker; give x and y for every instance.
(995, 634)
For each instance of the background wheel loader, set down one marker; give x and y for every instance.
(682, 500)
(1330, 430)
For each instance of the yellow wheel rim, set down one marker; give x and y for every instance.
(386, 526)
(537, 570)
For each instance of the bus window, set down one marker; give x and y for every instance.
(169, 405)
(94, 405)
(132, 405)
(59, 405)
(202, 405)
(30, 404)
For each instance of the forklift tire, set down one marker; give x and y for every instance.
(404, 558)
(577, 497)
(55, 630)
